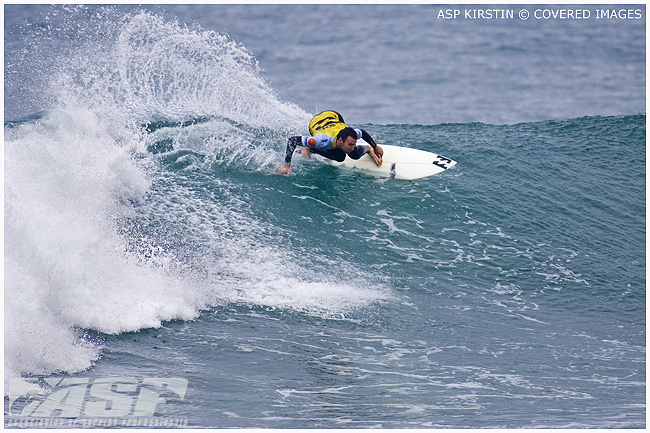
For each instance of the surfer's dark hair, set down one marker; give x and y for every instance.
(347, 132)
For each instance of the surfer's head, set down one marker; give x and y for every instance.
(346, 139)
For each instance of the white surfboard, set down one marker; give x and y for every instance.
(400, 163)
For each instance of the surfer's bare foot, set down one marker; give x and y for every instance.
(305, 152)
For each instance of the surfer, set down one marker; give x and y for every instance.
(332, 138)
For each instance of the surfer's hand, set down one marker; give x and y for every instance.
(375, 157)
(285, 169)
(379, 151)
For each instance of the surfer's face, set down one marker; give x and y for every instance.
(348, 145)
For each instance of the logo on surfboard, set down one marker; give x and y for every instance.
(441, 162)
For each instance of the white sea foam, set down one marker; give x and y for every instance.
(73, 177)
(66, 267)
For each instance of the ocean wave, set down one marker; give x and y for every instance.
(82, 247)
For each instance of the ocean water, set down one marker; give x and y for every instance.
(159, 273)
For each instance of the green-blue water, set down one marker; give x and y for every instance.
(148, 236)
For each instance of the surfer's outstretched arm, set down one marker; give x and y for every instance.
(292, 143)
(317, 142)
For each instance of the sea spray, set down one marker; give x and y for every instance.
(156, 69)
(103, 234)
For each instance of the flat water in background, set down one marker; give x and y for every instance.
(403, 64)
(148, 236)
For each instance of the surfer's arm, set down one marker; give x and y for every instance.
(292, 143)
(362, 149)
(375, 155)
(368, 139)
(318, 141)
